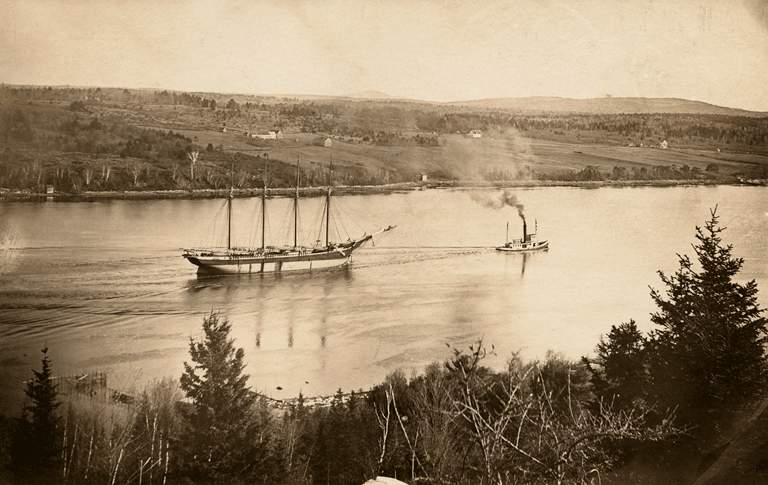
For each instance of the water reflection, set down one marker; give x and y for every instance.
(293, 304)
(312, 278)
(513, 261)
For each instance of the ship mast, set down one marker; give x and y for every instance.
(328, 204)
(296, 209)
(264, 207)
(229, 203)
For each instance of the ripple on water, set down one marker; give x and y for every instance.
(10, 243)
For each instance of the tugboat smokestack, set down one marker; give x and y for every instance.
(525, 231)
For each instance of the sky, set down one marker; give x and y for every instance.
(715, 51)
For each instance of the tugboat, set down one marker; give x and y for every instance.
(529, 242)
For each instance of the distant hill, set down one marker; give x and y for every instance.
(568, 105)
(370, 95)
(607, 106)
(361, 96)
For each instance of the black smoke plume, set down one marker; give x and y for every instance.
(506, 198)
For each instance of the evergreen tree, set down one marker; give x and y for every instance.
(36, 445)
(620, 378)
(221, 440)
(709, 357)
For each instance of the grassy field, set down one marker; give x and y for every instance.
(466, 159)
(457, 156)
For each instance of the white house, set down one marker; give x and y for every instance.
(268, 135)
(328, 142)
(663, 145)
(476, 134)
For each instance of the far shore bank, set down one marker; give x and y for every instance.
(359, 189)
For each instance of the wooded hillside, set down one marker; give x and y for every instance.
(107, 139)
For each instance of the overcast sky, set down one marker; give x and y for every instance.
(714, 51)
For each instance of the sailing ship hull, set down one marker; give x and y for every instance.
(275, 261)
(269, 264)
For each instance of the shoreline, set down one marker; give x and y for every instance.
(358, 189)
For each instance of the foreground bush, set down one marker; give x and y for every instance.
(458, 422)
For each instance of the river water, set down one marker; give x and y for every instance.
(104, 286)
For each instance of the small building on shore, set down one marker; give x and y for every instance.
(328, 143)
(268, 134)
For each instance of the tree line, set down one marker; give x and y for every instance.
(546, 421)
